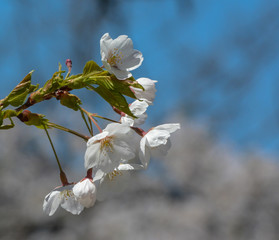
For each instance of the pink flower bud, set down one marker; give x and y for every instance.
(69, 63)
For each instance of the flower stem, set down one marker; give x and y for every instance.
(90, 123)
(108, 119)
(96, 124)
(50, 124)
(59, 165)
(92, 119)
(84, 119)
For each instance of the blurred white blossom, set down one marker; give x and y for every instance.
(156, 141)
(63, 196)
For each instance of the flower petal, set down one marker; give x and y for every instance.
(97, 137)
(70, 202)
(120, 74)
(105, 43)
(85, 191)
(129, 167)
(170, 127)
(91, 155)
(144, 153)
(157, 137)
(132, 61)
(51, 202)
(149, 90)
(138, 107)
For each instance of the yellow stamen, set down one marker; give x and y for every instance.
(114, 174)
(115, 57)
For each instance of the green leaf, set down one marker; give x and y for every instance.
(70, 101)
(7, 114)
(10, 113)
(37, 120)
(50, 86)
(91, 68)
(114, 99)
(19, 93)
(123, 86)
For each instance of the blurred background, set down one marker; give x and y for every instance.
(216, 63)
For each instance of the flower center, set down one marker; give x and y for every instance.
(106, 144)
(67, 194)
(115, 57)
(114, 174)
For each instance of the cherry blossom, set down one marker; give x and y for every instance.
(119, 56)
(156, 142)
(63, 196)
(148, 94)
(85, 192)
(138, 109)
(116, 144)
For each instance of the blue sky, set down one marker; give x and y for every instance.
(175, 38)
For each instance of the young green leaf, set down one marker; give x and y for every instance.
(114, 99)
(70, 101)
(91, 68)
(19, 93)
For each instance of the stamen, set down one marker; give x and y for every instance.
(106, 143)
(67, 194)
(114, 174)
(115, 57)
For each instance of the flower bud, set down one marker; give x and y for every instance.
(69, 63)
(85, 192)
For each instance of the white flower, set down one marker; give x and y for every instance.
(63, 196)
(85, 192)
(156, 141)
(148, 94)
(138, 109)
(118, 55)
(115, 181)
(117, 143)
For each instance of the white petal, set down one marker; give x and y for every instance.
(144, 153)
(98, 175)
(146, 82)
(91, 155)
(122, 45)
(129, 167)
(105, 43)
(149, 90)
(156, 138)
(51, 202)
(124, 150)
(138, 107)
(106, 65)
(70, 202)
(170, 127)
(127, 120)
(131, 61)
(161, 150)
(117, 129)
(85, 191)
(120, 74)
(97, 137)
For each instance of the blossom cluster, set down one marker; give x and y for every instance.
(121, 147)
